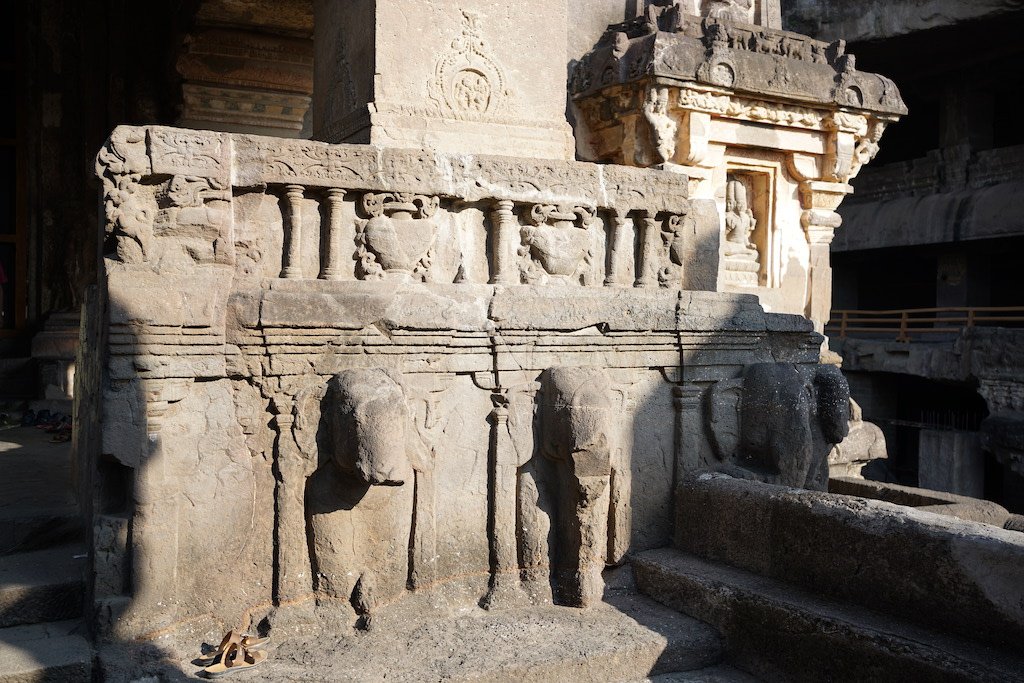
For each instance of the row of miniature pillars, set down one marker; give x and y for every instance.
(504, 244)
(330, 268)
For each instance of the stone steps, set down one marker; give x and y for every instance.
(42, 586)
(719, 673)
(780, 632)
(55, 651)
(27, 529)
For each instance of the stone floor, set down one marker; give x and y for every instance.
(628, 638)
(42, 562)
(35, 490)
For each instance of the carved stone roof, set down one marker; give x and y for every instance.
(673, 47)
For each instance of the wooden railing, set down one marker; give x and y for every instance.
(919, 323)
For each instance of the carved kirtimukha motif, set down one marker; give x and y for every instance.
(742, 261)
(468, 83)
(557, 244)
(397, 240)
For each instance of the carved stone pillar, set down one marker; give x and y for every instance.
(505, 589)
(506, 232)
(820, 220)
(292, 268)
(689, 427)
(617, 249)
(331, 262)
(293, 573)
(154, 528)
(646, 267)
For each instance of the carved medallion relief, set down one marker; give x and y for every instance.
(468, 83)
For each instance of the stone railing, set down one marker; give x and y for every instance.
(301, 210)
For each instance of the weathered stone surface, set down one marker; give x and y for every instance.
(29, 595)
(778, 632)
(618, 640)
(822, 541)
(441, 76)
(874, 19)
(45, 652)
(938, 502)
(778, 425)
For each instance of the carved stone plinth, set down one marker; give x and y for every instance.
(329, 365)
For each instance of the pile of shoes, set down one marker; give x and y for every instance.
(54, 423)
(236, 652)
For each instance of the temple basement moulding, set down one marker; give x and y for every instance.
(430, 359)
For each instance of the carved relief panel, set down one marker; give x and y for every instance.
(558, 245)
(398, 239)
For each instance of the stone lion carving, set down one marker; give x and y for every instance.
(779, 422)
(359, 502)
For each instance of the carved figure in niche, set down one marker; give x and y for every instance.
(742, 260)
(779, 422)
(662, 128)
(359, 502)
(558, 244)
(572, 479)
(397, 241)
(732, 10)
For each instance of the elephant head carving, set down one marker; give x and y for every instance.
(779, 421)
(368, 424)
(576, 432)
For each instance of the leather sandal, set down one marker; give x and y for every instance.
(247, 641)
(235, 658)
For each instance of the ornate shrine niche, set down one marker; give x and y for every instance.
(750, 237)
(740, 11)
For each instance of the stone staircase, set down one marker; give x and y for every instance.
(42, 563)
(812, 587)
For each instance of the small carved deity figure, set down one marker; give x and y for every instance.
(732, 10)
(742, 261)
(739, 219)
(662, 126)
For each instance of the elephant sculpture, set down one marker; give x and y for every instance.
(359, 502)
(576, 418)
(778, 422)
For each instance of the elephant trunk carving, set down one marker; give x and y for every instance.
(576, 427)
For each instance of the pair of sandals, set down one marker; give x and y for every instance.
(236, 652)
